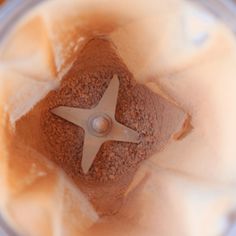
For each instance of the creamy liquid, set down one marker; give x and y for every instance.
(187, 189)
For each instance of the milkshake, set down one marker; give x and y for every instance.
(175, 67)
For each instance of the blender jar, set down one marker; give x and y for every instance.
(13, 10)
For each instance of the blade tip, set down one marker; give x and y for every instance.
(85, 167)
(55, 110)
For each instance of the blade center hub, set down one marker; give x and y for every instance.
(100, 124)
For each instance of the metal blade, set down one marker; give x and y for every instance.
(108, 101)
(122, 133)
(74, 115)
(81, 117)
(91, 147)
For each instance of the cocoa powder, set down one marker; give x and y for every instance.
(152, 116)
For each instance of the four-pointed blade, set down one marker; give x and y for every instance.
(80, 117)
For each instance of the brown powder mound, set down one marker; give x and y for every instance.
(152, 116)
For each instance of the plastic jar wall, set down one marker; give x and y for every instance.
(12, 10)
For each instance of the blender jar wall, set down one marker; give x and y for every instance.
(13, 10)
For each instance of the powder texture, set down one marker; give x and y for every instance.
(137, 108)
(155, 119)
